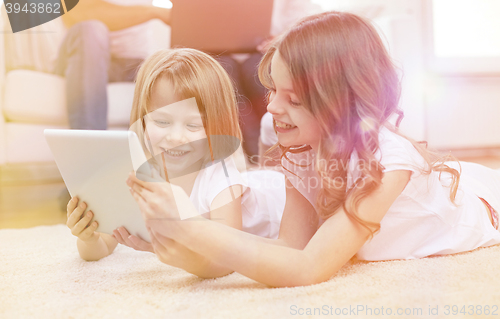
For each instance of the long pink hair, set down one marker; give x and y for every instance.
(342, 74)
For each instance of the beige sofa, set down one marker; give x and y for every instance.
(32, 101)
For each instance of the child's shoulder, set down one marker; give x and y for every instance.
(217, 170)
(397, 152)
(214, 178)
(390, 139)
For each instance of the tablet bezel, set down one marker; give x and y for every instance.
(94, 166)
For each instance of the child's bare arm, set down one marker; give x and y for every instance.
(335, 242)
(102, 247)
(298, 226)
(225, 209)
(91, 244)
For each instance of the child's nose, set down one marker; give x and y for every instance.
(176, 136)
(274, 107)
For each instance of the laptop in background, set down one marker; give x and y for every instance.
(221, 26)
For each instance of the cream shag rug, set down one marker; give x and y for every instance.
(42, 276)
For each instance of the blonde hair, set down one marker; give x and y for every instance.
(192, 74)
(343, 75)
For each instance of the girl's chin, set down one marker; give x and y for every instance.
(188, 165)
(286, 142)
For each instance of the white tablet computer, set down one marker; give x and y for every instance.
(95, 165)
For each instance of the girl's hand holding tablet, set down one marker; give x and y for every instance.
(175, 254)
(81, 227)
(160, 202)
(122, 235)
(92, 245)
(84, 228)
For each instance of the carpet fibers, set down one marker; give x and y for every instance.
(42, 276)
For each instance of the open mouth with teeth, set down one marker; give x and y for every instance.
(175, 154)
(283, 127)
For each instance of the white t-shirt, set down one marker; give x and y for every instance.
(422, 221)
(263, 198)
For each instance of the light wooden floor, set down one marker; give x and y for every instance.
(32, 205)
(34, 196)
(30, 195)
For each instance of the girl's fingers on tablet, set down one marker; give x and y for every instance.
(141, 244)
(71, 206)
(133, 179)
(147, 180)
(82, 224)
(88, 232)
(144, 207)
(142, 201)
(124, 232)
(138, 189)
(124, 235)
(118, 237)
(75, 216)
(138, 198)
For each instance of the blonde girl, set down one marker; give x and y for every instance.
(179, 99)
(355, 185)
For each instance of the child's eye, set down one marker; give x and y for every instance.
(161, 123)
(195, 126)
(292, 103)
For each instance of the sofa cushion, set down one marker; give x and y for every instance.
(39, 98)
(26, 143)
(35, 48)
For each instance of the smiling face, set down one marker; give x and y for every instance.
(294, 124)
(175, 128)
